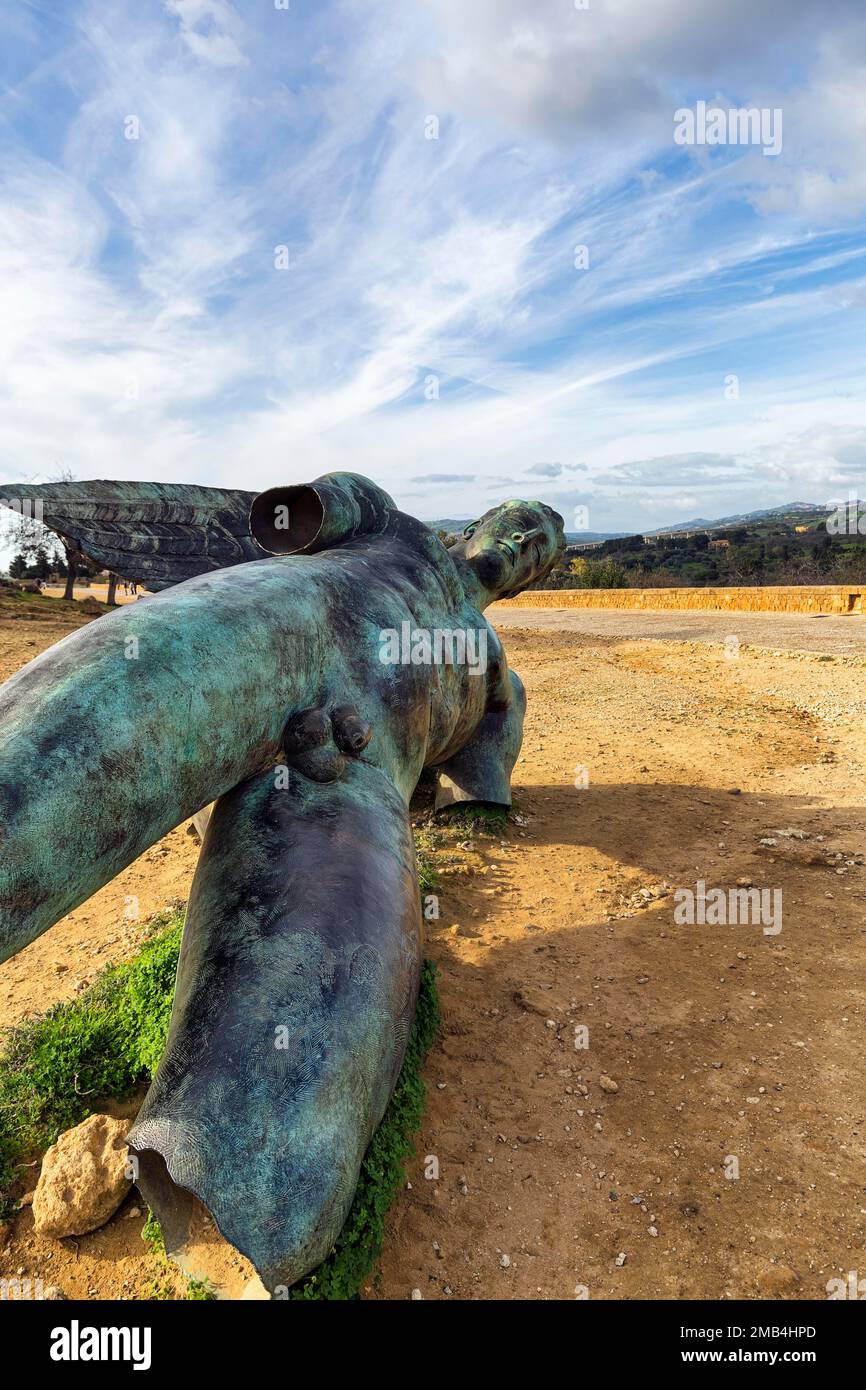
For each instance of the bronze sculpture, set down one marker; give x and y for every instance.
(314, 649)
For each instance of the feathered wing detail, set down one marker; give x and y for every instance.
(155, 533)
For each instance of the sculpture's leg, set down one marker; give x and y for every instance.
(144, 717)
(481, 771)
(296, 990)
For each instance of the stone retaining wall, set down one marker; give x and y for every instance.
(782, 598)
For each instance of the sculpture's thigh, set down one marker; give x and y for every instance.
(295, 993)
(481, 771)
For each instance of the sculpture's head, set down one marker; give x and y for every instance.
(511, 546)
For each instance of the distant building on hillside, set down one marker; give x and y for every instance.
(721, 544)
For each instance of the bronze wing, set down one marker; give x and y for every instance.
(155, 533)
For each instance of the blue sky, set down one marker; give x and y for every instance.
(431, 328)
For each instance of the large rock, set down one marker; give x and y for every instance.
(777, 1280)
(83, 1179)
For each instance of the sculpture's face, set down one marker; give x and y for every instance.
(512, 545)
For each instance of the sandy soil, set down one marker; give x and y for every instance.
(730, 1050)
(808, 632)
(97, 591)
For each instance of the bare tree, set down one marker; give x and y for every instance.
(75, 561)
(30, 537)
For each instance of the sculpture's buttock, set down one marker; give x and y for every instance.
(318, 741)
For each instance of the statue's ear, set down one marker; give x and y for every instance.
(155, 533)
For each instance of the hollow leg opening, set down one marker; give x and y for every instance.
(192, 1238)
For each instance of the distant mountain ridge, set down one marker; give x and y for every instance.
(455, 525)
(788, 511)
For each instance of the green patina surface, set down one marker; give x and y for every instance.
(302, 693)
(108, 1042)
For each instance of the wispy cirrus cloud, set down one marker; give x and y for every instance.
(246, 245)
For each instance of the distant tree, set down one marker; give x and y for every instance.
(18, 566)
(40, 567)
(61, 553)
(40, 548)
(605, 573)
(823, 554)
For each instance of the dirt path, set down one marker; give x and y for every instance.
(786, 631)
(731, 1050)
(724, 1043)
(97, 591)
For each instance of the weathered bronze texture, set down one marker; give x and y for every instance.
(303, 692)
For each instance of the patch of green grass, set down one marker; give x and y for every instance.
(158, 1290)
(200, 1290)
(60, 1067)
(490, 820)
(18, 604)
(425, 850)
(161, 1287)
(151, 1234)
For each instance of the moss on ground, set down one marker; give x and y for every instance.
(58, 1068)
(105, 1044)
(16, 604)
(477, 816)
(425, 851)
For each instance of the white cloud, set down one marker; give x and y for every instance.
(149, 263)
(615, 73)
(210, 29)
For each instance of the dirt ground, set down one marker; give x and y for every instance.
(723, 1153)
(808, 632)
(97, 591)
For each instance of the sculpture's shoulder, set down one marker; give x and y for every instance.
(408, 547)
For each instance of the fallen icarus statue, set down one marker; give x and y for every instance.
(313, 650)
